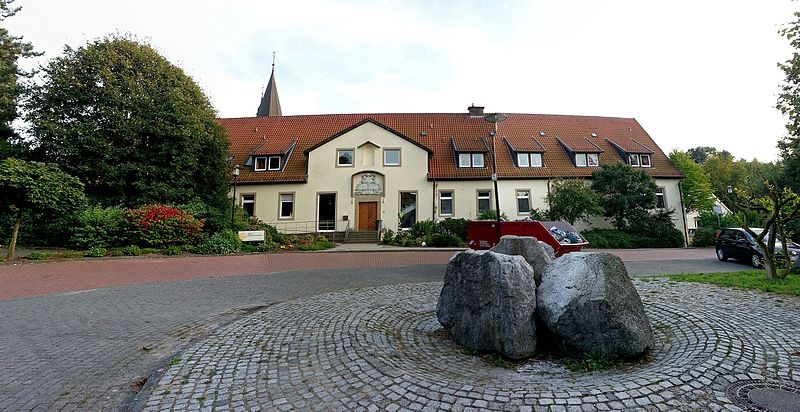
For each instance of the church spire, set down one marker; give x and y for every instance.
(270, 103)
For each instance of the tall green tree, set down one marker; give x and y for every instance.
(12, 49)
(700, 153)
(624, 193)
(789, 104)
(134, 128)
(724, 171)
(36, 187)
(572, 200)
(695, 186)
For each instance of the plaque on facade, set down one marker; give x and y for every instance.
(368, 186)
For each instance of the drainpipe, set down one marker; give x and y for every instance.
(683, 215)
(433, 214)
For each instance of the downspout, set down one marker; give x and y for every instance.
(683, 215)
(433, 208)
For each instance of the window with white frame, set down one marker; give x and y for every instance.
(260, 164)
(249, 204)
(484, 200)
(529, 159)
(286, 207)
(446, 203)
(344, 157)
(587, 159)
(471, 160)
(661, 201)
(274, 163)
(391, 157)
(645, 160)
(477, 160)
(524, 202)
(633, 159)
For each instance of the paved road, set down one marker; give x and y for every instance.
(86, 334)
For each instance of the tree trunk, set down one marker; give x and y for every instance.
(13, 244)
(769, 268)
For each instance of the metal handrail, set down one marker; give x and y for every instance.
(347, 231)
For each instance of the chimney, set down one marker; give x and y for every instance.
(475, 111)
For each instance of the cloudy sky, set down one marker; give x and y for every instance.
(691, 72)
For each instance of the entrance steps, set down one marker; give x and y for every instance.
(362, 237)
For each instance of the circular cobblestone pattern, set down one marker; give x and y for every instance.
(383, 349)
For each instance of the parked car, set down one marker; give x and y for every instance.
(736, 243)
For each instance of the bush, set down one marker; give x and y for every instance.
(161, 226)
(454, 226)
(489, 214)
(388, 237)
(172, 250)
(37, 256)
(214, 219)
(656, 230)
(95, 252)
(221, 243)
(266, 246)
(704, 236)
(424, 228)
(131, 250)
(101, 227)
(315, 246)
(608, 239)
(444, 240)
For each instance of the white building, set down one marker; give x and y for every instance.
(319, 173)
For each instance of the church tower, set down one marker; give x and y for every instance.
(270, 104)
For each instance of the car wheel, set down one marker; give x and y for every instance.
(721, 254)
(756, 260)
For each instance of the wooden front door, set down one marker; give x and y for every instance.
(367, 216)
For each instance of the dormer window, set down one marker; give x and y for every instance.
(529, 159)
(261, 164)
(471, 160)
(587, 159)
(265, 163)
(274, 163)
(639, 160)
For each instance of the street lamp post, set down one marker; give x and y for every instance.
(235, 179)
(495, 118)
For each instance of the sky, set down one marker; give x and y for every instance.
(693, 73)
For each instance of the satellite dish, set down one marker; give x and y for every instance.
(495, 117)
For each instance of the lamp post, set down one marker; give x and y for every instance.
(495, 118)
(235, 179)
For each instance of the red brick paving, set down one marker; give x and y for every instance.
(36, 279)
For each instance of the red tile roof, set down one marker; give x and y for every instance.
(437, 133)
(630, 145)
(579, 145)
(524, 144)
(473, 145)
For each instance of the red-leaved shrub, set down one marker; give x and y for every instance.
(159, 226)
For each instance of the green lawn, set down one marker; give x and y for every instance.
(746, 279)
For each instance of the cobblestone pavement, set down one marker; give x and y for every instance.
(382, 349)
(93, 350)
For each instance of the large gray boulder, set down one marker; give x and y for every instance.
(538, 254)
(589, 306)
(488, 303)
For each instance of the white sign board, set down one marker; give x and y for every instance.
(251, 235)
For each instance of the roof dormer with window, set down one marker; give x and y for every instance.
(526, 152)
(581, 151)
(270, 156)
(470, 152)
(632, 152)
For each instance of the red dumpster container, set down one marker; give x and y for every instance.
(484, 234)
